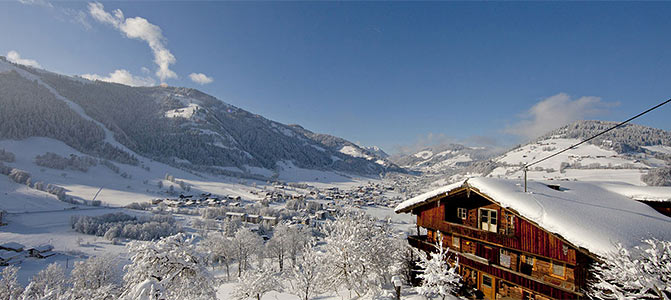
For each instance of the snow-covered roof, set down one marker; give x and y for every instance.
(426, 196)
(13, 246)
(645, 193)
(7, 255)
(585, 214)
(43, 248)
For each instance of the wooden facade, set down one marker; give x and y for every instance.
(502, 254)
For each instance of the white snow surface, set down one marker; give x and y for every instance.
(426, 196)
(424, 154)
(659, 148)
(584, 214)
(117, 191)
(588, 162)
(353, 151)
(646, 193)
(184, 112)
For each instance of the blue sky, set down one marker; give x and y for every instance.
(397, 75)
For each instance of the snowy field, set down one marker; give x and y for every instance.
(141, 184)
(33, 229)
(586, 162)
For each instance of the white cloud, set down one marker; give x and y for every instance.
(77, 16)
(200, 78)
(61, 13)
(424, 141)
(37, 2)
(123, 77)
(139, 28)
(15, 57)
(557, 111)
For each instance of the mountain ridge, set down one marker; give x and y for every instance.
(183, 127)
(632, 153)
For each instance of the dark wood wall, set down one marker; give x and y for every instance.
(663, 207)
(519, 280)
(527, 237)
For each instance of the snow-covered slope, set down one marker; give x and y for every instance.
(16, 198)
(377, 151)
(622, 155)
(178, 126)
(119, 188)
(444, 159)
(585, 162)
(371, 154)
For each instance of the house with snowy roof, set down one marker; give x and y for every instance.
(12, 246)
(7, 257)
(42, 251)
(537, 244)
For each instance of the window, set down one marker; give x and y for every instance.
(527, 265)
(456, 242)
(559, 270)
(531, 261)
(488, 219)
(504, 258)
(486, 281)
(462, 213)
(510, 224)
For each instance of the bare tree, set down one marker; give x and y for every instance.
(246, 243)
(643, 272)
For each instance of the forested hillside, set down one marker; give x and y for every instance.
(179, 126)
(628, 138)
(29, 109)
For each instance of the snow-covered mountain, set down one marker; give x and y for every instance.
(632, 154)
(443, 159)
(377, 151)
(180, 127)
(334, 143)
(626, 154)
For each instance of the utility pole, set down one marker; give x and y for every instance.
(525, 178)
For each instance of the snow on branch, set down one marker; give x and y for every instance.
(643, 272)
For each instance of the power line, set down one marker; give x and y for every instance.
(589, 139)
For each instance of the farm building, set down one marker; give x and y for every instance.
(12, 246)
(42, 251)
(7, 257)
(538, 244)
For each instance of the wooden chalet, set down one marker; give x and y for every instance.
(538, 244)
